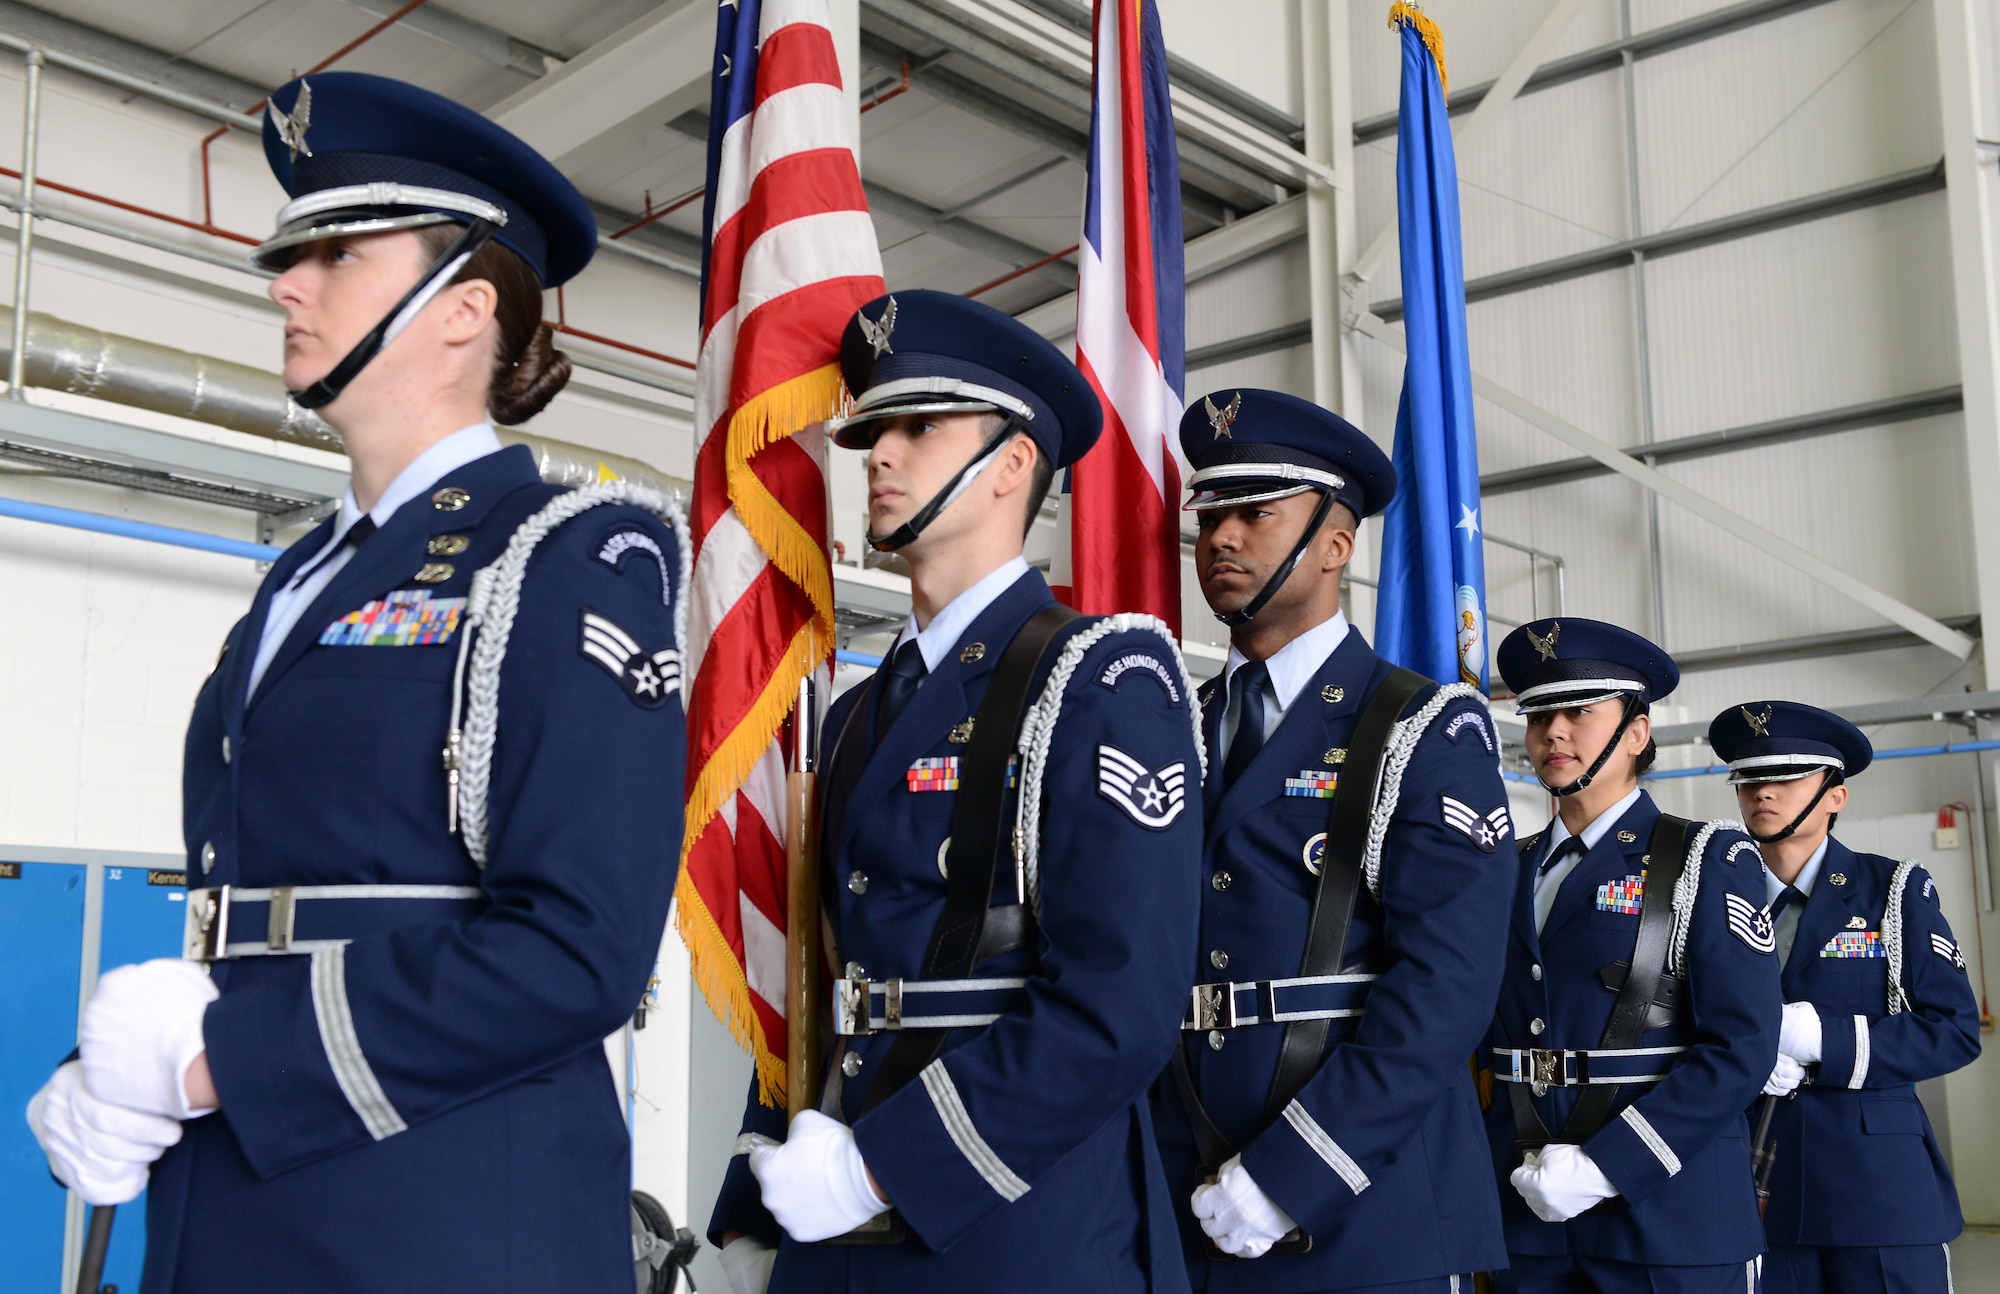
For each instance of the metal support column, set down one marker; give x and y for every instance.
(1965, 103)
(24, 238)
(1642, 344)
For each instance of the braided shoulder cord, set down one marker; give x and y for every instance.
(1892, 935)
(1688, 887)
(489, 617)
(1038, 729)
(1403, 739)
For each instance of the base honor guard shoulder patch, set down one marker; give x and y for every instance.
(1485, 830)
(1625, 896)
(1740, 848)
(406, 618)
(1313, 783)
(1751, 924)
(1153, 798)
(1474, 720)
(1854, 943)
(649, 678)
(1948, 950)
(625, 538)
(1145, 663)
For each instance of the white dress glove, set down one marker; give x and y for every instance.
(1235, 1213)
(1561, 1182)
(1786, 1078)
(815, 1183)
(1799, 1035)
(140, 1033)
(747, 1262)
(101, 1151)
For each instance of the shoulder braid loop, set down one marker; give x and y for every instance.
(489, 617)
(1038, 729)
(1403, 739)
(1688, 887)
(1892, 934)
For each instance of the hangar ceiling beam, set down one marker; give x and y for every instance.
(1927, 627)
(964, 233)
(468, 35)
(657, 66)
(1965, 96)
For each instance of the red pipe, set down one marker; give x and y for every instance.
(887, 95)
(197, 226)
(1025, 269)
(625, 346)
(667, 210)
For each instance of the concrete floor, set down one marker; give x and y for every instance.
(1975, 1261)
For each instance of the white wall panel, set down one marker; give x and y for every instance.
(1263, 292)
(1247, 43)
(1568, 347)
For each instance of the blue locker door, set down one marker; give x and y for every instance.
(143, 916)
(41, 961)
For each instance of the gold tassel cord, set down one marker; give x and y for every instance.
(1402, 13)
(746, 743)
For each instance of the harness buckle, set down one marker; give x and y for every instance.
(1545, 1069)
(892, 1004)
(206, 932)
(284, 910)
(850, 1008)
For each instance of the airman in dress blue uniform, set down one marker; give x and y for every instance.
(1639, 1010)
(1877, 999)
(391, 1076)
(1320, 1127)
(1002, 1007)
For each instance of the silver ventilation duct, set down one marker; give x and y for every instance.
(63, 356)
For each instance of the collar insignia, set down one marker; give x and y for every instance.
(877, 330)
(1223, 419)
(1546, 646)
(1332, 695)
(1760, 724)
(1627, 838)
(1838, 878)
(291, 126)
(977, 651)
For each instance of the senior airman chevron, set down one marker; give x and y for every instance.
(1154, 798)
(1486, 830)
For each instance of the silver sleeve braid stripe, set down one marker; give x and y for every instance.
(1403, 739)
(490, 612)
(343, 1049)
(1687, 888)
(1892, 934)
(958, 1125)
(1038, 729)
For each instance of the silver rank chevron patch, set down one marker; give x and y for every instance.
(1948, 950)
(1751, 924)
(1153, 797)
(649, 678)
(1486, 830)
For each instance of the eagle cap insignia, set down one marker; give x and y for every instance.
(291, 126)
(1546, 646)
(1760, 724)
(877, 330)
(1223, 419)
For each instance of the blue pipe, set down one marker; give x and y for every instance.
(847, 657)
(22, 510)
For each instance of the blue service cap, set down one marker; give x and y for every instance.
(1777, 741)
(1557, 663)
(367, 154)
(920, 351)
(1249, 446)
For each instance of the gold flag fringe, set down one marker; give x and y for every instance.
(1408, 14)
(722, 982)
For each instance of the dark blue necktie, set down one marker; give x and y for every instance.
(357, 535)
(899, 683)
(1249, 684)
(1571, 847)
(1789, 896)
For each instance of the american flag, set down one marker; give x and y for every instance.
(789, 256)
(1118, 542)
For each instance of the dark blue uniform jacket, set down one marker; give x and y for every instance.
(1381, 1157)
(1025, 1159)
(481, 1022)
(1677, 1150)
(1857, 1163)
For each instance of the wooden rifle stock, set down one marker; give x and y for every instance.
(802, 914)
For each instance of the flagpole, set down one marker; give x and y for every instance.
(802, 916)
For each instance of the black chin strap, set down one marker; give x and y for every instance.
(328, 389)
(1243, 614)
(906, 533)
(1827, 783)
(1597, 765)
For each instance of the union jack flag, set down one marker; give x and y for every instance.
(789, 256)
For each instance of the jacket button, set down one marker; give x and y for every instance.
(1215, 1040)
(855, 970)
(1218, 882)
(1536, 971)
(207, 857)
(1219, 959)
(225, 748)
(1535, 1026)
(850, 1064)
(858, 882)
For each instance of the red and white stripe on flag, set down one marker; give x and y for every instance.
(792, 256)
(1118, 541)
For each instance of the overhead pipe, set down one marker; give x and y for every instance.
(67, 357)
